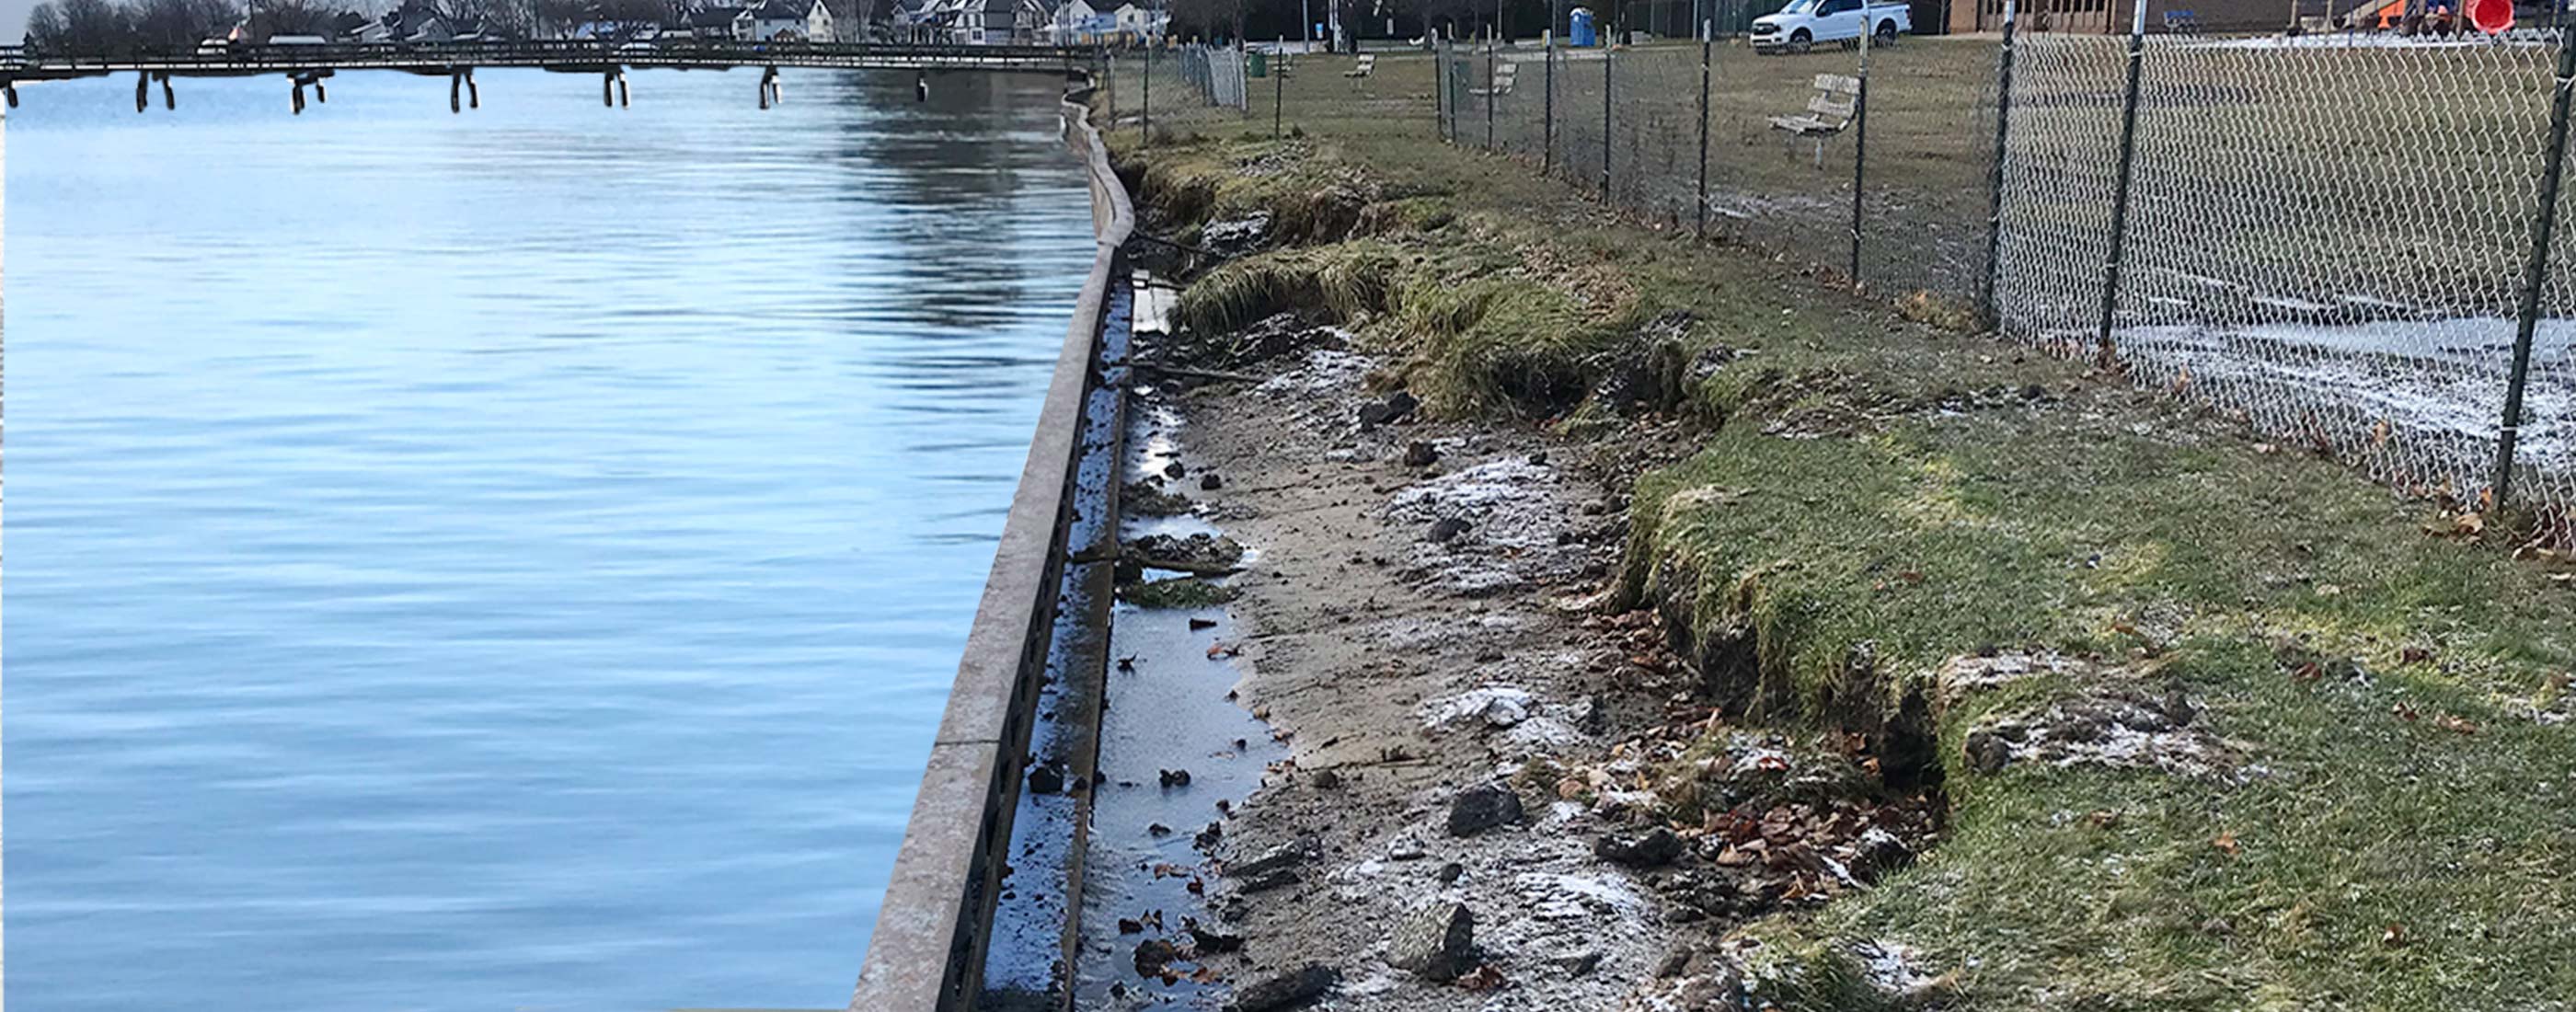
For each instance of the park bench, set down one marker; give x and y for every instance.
(1504, 75)
(1366, 66)
(1827, 113)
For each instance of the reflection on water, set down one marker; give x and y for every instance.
(502, 561)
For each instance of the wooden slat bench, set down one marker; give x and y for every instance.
(1828, 113)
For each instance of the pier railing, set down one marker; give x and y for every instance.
(23, 63)
(928, 949)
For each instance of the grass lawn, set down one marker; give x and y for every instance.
(2374, 811)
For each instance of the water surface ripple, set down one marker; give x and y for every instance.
(512, 560)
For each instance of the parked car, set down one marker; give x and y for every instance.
(1804, 23)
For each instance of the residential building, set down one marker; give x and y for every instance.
(792, 21)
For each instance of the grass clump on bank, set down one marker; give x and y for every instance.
(1348, 281)
(1488, 317)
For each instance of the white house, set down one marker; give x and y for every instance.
(1140, 22)
(716, 24)
(792, 20)
(980, 22)
(1073, 20)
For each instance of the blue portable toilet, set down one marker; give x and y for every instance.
(1578, 28)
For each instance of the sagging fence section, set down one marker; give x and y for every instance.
(2336, 238)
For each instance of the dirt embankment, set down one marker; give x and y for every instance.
(1478, 809)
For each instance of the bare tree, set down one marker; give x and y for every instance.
(45, 29)
(177, 26)
(86, 27)
(505, 18)
(628, 17)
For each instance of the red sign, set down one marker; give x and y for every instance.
(2491, 16)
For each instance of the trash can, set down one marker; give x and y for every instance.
(1256, 63)
(1579, 27)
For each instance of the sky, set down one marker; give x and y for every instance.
(13, 20)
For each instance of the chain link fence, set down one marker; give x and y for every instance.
(2326, 236)
(1760, 149)
(1176, 87)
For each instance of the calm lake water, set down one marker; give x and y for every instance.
(503, 561)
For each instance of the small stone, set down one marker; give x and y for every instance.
(1045, 780)
(1211, 482)
(1175, 470)
(1420, 454)
(1447, 529)
(1395, 406)
(1436, 942)
(1878, 852)
(1286, 855)
(1176, 778)
(1450, 873)
(1293, 989)
(1576, 964)
(1540, 457)
(1152, 954)
(1654, 848)
(1275, 878)
(1987, 752)
(1208, 940)
(1158, 829)
(1483, 807)
(1326, 780)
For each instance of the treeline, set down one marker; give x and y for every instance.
(150, 26)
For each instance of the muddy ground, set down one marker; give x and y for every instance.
(1473, 737)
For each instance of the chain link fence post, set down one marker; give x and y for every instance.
(1986, 306)
(1609, 52)
(1860, 132)
(1707, 44)
(1440, 84)
(1547, 126)
(2543, 221)
(2108, 351)
(1278, 86)
(1148, 139)
(1493, 46)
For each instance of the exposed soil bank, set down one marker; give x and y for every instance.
(1652, 627)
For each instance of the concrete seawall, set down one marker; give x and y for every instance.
(933, 931)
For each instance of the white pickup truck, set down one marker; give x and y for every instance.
(1804, 23)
